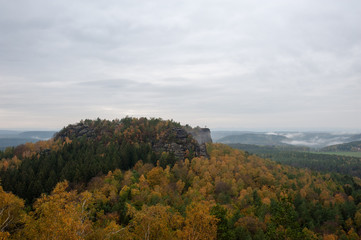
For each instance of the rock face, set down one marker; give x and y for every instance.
(178, 141)
(76, 131)
(202, 136)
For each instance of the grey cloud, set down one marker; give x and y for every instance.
(108, 84)
(221, 62)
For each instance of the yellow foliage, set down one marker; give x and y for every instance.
(156, 176)
(339, 198)
(358, 218)
(180, 186)
(351, 234)
(324, 195)
(11, 212)
(143, 183)
(61, 215)
(330, 237)
(4, 235)
(199, 223)
(349, 223)
(309, 234)
(153, 222)
(266, 201)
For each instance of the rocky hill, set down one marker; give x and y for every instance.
(84, 150)
(174, 138)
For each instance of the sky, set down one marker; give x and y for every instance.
(224, 64)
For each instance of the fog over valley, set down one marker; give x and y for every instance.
(309, 139)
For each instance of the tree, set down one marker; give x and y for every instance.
(223, 228)
(284, 223)
(199, 223)
(153, 222)
(61, 215)
(11, 213)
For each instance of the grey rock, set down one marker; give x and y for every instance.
(179, 140)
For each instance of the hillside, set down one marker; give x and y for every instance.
(301, 157)
(229, 196)
(90, 148)
(346, 147)
(127, 179)
(216, 135)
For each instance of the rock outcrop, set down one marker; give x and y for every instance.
(76, 131)
(183, 142)
(179, 142)
(202, 136)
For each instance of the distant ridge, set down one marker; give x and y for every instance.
(254, 138)
(345, 147)
(44, 135)
(10, 138)
(315, 140)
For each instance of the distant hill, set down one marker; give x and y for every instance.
(12, 142)
(252, 138)
(356, 137)
(345, 147)
(316, 140)
(216, 135)
(41, 135)
(14, 138)
(8, 132)
(257, 149)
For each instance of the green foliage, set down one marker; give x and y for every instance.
(345, 147)
(324, 162)
(284, 222)
(88, 149)
(223, 224)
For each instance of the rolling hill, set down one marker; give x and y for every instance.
(345, 147)
(315, 140)
(14, 138)
(254, 138)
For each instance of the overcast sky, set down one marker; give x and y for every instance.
(230, 64)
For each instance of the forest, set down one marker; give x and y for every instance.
(354, 146)
(109, 181)
(302, 158)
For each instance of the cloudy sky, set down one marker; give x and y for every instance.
(225, 64)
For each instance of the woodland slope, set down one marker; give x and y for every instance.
(227, 194)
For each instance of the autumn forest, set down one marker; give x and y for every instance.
(139, 178)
